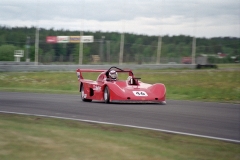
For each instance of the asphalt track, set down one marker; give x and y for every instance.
(204, 119)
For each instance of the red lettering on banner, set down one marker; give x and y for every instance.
(51, 39)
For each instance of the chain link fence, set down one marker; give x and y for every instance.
(100, 52)
(107, 52)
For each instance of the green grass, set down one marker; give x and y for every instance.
(29, 137)
(206, 85)
(209, 85)
(228, 65)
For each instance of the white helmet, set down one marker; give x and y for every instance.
(113, 74)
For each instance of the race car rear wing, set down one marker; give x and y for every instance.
(79, 72)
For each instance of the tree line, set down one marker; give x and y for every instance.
(106, 44)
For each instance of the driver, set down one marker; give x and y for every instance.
(113, 75)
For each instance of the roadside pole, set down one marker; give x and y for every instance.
(81, 35)
(108, 51)
(81, 49)
(121, 49)
(27, 48)
(36, 45)
(159, 49)
(122, 35)
(193, 49)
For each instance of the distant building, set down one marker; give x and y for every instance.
(187, 60)
(221, 55)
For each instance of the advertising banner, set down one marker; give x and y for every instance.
(87, 39)
(51, 39)
(74, 39)
(62, 39)
(69, 39)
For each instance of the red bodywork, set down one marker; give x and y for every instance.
(129, 90)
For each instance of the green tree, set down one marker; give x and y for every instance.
(135, 45)
(7, 52)
(86, 54)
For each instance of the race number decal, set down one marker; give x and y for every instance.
(140, 93)
(96, 88)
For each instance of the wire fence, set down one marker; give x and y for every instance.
(95, 59)
(107, 52)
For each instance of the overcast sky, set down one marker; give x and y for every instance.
(200, 18)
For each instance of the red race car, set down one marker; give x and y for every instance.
(109, 88)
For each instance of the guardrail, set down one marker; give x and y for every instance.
(15, 63)
(30, 67)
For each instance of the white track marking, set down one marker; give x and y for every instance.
(124, 125)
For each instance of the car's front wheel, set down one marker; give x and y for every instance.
(163, 103)
(83, 95)
(106, 95)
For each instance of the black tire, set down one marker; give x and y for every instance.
(82, 95)
(106, 95)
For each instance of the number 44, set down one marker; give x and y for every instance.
(140, 93)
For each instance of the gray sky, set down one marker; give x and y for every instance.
(201, 18)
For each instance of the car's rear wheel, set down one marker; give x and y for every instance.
(83, 95)
(106, 95)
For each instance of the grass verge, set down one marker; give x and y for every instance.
(206, 85)
(29, 137)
